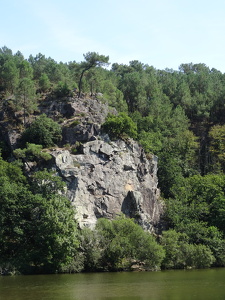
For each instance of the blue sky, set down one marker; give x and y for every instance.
(160, 33)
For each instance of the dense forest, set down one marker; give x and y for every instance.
(177, 115)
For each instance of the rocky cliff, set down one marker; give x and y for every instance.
(111, 178)
(104, 178)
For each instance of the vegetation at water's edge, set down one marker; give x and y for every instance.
(177, 115)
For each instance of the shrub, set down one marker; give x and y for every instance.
(120, 126)
(182, 254)
(63, 90)
(32, 152)
(43, 131)
(123, 241)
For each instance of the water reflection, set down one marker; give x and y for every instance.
(169, 285)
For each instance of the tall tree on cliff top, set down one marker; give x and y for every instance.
(93, 60)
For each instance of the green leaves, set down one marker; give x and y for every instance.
(122, 242)
(217, 148)
(197, 209)
(200, 198)
(120, 126)
(43, 131)
(32, 152)
(182, 254)
(38, 231)
(92, 60)
(44, 82)
(9, 75)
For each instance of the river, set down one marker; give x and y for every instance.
(169, 285)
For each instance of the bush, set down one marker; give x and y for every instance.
(120, 126)
(43, 131)
(32, 152)
(200, 257)
(181, 254)
(62, 90)
(123, 241)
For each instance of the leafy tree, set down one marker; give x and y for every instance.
(94, 78)
(201, 256)
(38, 64)
(120, 126)
(170, 173)
(181, 254)
(183, 96)
(174, 244)
(44, 82)
(9, 75)
(150, 141)
(90, 249)
(152, 86)
(114, 96)
(25, 69)
(45, 183)
(204, 199)
(26, 93)
(92, 60)
(133, 87)
(43, 131)
(168, 80)
(6, 51)
(123, 241)
(197, 210)
(55, 217)
(38, 231)
(217, 147)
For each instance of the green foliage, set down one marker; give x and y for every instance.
(25, 96)
(169, 173)
(44, 82)
(114, 96)
(32, 152)
(177, 115)
(150, 141)
(120, 126)
(202, 198)
(25, 69)
(175, 244)
(217, 148)
(181, 254)
(74, 123)
(62, 90)
(201, 256)
(122, 242)
(134, 92)
(43, 131)
(38, 232)
(44, 183)
(9, 75)
(90, 249)
(55, 236)
(92, 60)
(197, 209)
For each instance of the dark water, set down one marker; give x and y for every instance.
(169, 285)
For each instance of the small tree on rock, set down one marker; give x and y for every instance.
(93, 60)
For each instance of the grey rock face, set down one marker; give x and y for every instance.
(111, 178)
(82, 118)
(108, 178)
